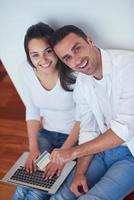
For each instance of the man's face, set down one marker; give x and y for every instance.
(79, 54)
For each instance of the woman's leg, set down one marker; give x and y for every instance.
(20, 193)
(48, 140)
(59, 139)
(23, 193)
(45, 140)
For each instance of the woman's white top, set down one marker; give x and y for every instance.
(55, 106)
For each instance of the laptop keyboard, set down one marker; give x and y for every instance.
(34, 178)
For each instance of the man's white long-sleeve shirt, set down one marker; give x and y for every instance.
(109, 102)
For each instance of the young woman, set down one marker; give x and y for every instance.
(48, 95)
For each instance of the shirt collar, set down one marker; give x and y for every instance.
(106, 62)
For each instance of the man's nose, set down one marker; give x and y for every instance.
(76, 61)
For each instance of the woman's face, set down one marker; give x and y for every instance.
(42, 56)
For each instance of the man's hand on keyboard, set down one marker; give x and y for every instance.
(52, 169)
(30, 166)
(62, 156)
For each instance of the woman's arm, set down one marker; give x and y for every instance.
(33, 127)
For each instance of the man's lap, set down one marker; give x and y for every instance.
(105, 177)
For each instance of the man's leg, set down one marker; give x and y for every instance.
(64, 192)
(116, 183)
(95, 171)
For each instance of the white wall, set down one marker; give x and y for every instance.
(110, 22)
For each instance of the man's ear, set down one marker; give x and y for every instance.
(90, 41)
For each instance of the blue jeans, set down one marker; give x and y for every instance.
(47, 140)
(110, 176)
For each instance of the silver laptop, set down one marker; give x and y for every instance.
(17, 175)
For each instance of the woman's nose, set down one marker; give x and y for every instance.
(43, 59)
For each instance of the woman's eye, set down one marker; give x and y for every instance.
(35, 55)
(49, 51)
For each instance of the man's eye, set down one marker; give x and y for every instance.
(77, 49)
(67, 59)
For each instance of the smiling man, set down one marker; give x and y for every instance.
(78, 56)
(104, 95)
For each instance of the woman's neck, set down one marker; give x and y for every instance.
(47, 75)
(48, 81)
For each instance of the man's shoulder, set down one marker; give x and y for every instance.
(119, 51)
(119, 55)
(120, 60)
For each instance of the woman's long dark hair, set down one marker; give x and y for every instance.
(44, 31)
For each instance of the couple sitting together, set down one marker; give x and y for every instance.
(85, 98)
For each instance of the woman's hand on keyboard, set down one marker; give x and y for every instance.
(30, 166)
(52, 169)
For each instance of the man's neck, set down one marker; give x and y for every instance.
(99, 73)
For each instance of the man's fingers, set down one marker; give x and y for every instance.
(49, 174)
(85, 187)
(59, 171)
(59, 161)
(79, 190)
(55, 157)
(50, 171)
(75, 190)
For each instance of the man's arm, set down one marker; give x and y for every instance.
(106, 141)
(70, 141)
(79, 184)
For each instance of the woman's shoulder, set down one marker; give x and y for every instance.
(26, 72)
(25, 67)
